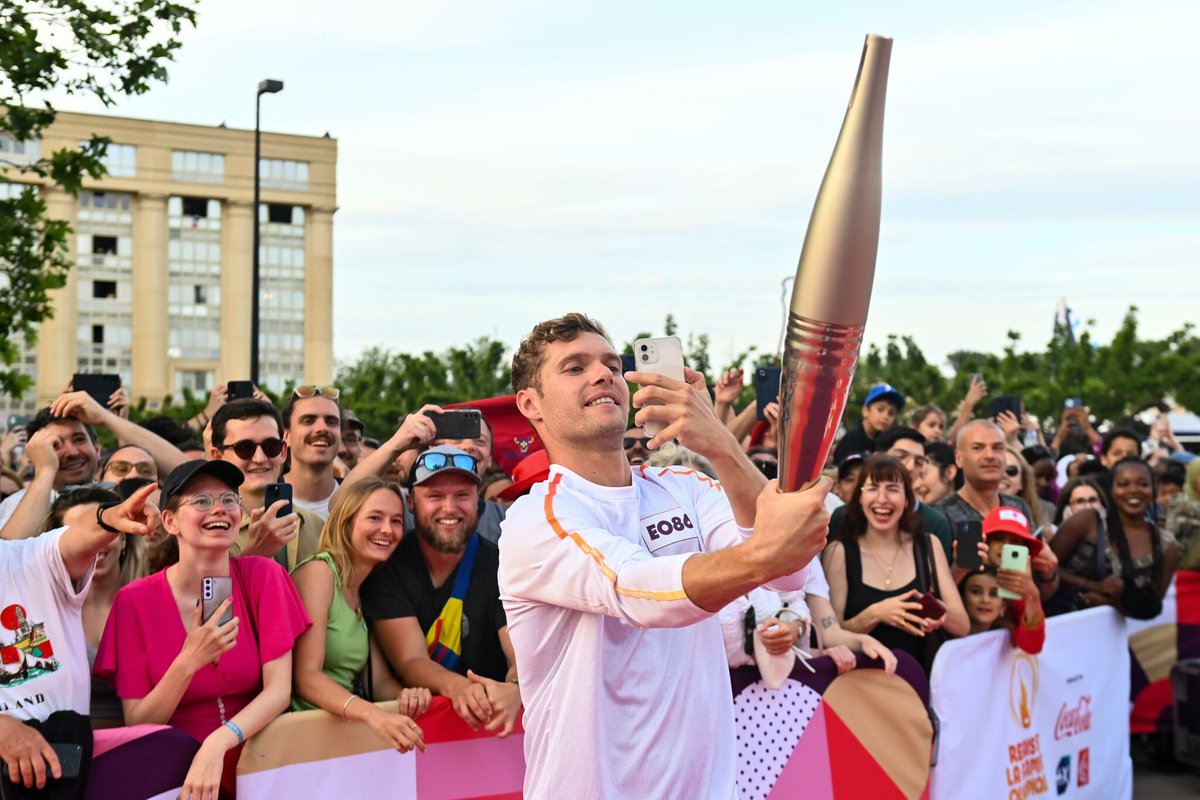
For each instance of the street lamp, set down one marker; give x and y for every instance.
(264, 87)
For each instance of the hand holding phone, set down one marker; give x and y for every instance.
(931, 607)
(239, 390)
(1014, 557)
(967, 536)
(274, 492)
(213, 592)
(457, 423)
(766, 388)
(100, 387)
(663, 356)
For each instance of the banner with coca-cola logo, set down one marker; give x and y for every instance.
(1014, 726)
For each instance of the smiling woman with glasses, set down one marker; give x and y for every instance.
(206, 644)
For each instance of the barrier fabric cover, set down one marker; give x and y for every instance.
(1155, 646)
(1015, 726)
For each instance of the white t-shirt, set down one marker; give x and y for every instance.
(318, 507)
(10, 503)
(43, 653)
(624, 679)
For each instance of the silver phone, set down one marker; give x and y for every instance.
(663, 355)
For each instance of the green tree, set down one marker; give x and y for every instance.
(109, 50)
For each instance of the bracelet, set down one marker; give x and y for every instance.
(236, 730)
(100, 509)
(346, 704)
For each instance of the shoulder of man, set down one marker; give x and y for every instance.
(934, 518)
(1012, 501)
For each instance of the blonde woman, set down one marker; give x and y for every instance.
(364, 527)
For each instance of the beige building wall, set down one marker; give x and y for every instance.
(153, 174)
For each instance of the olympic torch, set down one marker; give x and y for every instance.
(832, 291)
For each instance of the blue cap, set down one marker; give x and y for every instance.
(884, 391)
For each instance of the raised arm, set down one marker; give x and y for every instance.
(81, 406)
(80, 543)
(29, 517)
(416, 430)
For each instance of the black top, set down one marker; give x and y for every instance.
(859, 596)
(855, 441)
(402, 588)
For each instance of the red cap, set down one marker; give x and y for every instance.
(533, 468)
(1007, 519)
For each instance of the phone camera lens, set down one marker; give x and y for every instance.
(645, 357)
(645, 348)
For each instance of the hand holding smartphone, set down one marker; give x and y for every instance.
(456, 423)
(275, 492)
(214, 591)
(931, 607)
(664, 356)
(1016, 558)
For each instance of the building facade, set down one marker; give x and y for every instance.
(160, 292)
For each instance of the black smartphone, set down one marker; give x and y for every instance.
(239, 390)
(628, 363)
(968, 535)
(276, 492)
(99, 385)
(213, 592)
(16, 421)
(456, 423)
(1010, 403)
(70, 759)
(766, 388)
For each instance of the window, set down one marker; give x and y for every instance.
(277, 212)
(277, 173)
(104, 290)
(188, 165)
(121, 160)
(200, 294)
(17, 152)
(104, 245)
(195, 207)
(97, 334)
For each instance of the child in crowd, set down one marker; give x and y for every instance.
(981, 597)
(882, 405)
(1024, 617)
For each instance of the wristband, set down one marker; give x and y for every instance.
(346, 704)
(100, 509)
(236, 730)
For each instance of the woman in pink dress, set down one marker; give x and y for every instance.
(220, 683)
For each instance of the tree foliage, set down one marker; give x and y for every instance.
(106, 50)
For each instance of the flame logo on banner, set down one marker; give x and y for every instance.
(1023, 688)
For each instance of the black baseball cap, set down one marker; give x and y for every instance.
(223, 471)
(850, 462)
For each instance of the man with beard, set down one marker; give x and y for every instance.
(67, 426)
(312, 424)
(435, 605)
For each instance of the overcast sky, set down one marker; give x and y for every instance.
(508, 160)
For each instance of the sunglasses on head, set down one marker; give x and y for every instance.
(631, 443)
(435, 461)
(1012, 470)
(316, 391)
(246, 448)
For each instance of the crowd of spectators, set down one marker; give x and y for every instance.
(376, 578)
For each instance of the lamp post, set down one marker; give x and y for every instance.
(264, 87)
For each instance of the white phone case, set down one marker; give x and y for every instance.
(663, 355)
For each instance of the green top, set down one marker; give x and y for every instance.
(346, 645)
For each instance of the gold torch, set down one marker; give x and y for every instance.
(832, 291)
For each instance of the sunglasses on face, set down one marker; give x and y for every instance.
(1012, 470)
(204, 502)
(632, 443)
(435, 461)
(246, 448)
(122, 468)
(314, 391)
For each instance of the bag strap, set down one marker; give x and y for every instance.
(926, 572)
(1102, 568)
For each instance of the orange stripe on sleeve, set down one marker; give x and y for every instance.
(596, 555)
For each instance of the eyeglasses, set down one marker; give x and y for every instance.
(1083, 502)
(632, 443)
(435, 461)
(147, 469)
(204, 502)
(314, 391)
(246, 448)
(1012, 470)
(906, 458)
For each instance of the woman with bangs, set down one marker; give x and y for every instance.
(881, 564)
(337, 666)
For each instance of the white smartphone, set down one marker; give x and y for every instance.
(663, 355)
(1014, 557)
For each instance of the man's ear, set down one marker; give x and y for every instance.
(529, 403)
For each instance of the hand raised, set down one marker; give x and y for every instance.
(791, 527)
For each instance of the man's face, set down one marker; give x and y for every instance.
(480, 448)
(77, 454)
(129, 462)
(316, 431)
(351, 447)
(635, 446)
(445, 511)
(981, 457)
(258, 469)
(583, 399)
(911, 455)
(1121, 447)
(879, 416)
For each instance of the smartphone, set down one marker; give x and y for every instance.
(456, 423)
(99, 386)
(70, 759)
(213, 592)
(766, 388)
(1010, 403)
(1015, 557)
(968, 535)
(628, 363)
(931, 607)
(16, 421)
(1073, 402)
(663, 355)
(239, 390)
(275, 492)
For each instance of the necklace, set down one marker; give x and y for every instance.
(887, 578)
